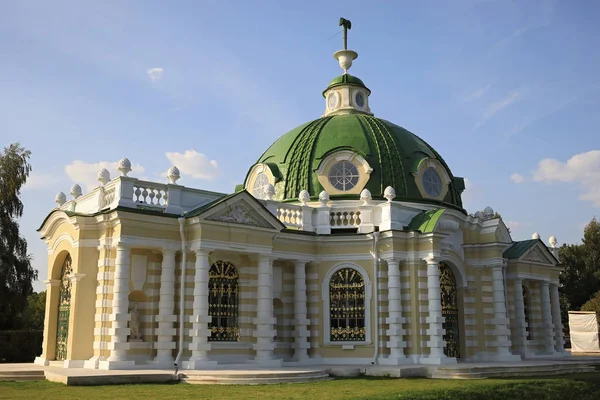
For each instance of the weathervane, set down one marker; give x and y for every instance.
(345, 56)
(347, 25)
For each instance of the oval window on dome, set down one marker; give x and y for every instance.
(260, 184)
(359, 99)
(432, 182)
(344, 175)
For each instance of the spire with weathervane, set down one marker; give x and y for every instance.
(346, 94)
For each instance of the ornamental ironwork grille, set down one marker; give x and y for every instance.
(64, 310)
(347, 306)
(449, 301)
(223, 292)
(527, 311)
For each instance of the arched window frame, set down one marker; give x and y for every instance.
(233, 321)
(327, 306)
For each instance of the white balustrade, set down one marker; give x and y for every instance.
(150, 193)
(290, 215)
(344, 218)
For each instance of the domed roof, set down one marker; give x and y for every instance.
(393, 153)
(345, 79)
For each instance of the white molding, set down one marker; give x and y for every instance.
(326, 305)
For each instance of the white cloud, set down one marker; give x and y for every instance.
(471, 195)
(517, 178)
(477, 94)
(194, 164)
(583, 169)
(155, 74)
(41, 181)
(86, 174)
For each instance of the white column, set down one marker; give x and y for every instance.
(547, 328)
(559, 345)
(520, 326)
(435, 320)
(265, 319)
(50, 321)
(499, 324)
(200, 318)
(396, 342)
(301, 331)
(120, 313)
(165, 343)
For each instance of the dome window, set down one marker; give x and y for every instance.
(260, 184)
(359, 99)
(344, 176)
(432, 179)
(432, 182)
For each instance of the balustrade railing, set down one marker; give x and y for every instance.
(290, 215)
(151, 194)
(345, 218)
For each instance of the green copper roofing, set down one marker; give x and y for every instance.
(345, 79)
(426, 221)
(392, 152)
(517, 249)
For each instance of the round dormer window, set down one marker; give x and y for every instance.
(333, 100)
(359, 99)
(344, 176)
(260, 184)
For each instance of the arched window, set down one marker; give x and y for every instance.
(449, 301)
(527, 309)
(347, 306)
(223, 292)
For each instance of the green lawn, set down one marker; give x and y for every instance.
(576, 387)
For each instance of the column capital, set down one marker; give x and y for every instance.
(431, 259)
(266, 257)
(52, 282)
(301, 263)
(202, 252)
(545, 284)
(518, 279)
(392, 259)
(76, 277)
(122, 246)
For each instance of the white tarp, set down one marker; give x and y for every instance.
(584, 332)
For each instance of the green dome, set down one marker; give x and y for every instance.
(345, 79)
(393, 153)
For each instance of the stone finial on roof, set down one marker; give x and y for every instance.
(553, 242)
(304, 197)
(103, 176)
(389, 193)
(478, 214)
(323, 198)
(365, 196)
(269, 192)
(488, 212)
(60, 199)
(173, 174)
(75, 191)
(124, 166)
(535, 235)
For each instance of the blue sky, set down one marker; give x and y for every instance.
(507, 92)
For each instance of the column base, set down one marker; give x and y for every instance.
(92, 363)
(438, 360)
(41, 361)
(74, 363)
(395, 361)
(108, 365)
(274, 362)
(199, 364)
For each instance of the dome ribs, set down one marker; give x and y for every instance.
(300, 168)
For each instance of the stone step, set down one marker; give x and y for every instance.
(480, 373)
(253, 378)
(35, 375)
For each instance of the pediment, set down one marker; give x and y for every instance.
(538, 254)
(241, 209)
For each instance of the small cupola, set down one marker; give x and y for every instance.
(346, 94)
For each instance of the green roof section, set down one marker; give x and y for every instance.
(517, 249)
(345, 79)
(426, 221)
(392, 151)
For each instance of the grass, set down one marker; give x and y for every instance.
(577, 386)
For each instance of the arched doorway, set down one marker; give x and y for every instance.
(449, 298)
(64, 310)
(223, 292)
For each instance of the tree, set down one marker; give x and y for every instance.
(16, 273)
(34, 313)
(581, 278)
(593, 304)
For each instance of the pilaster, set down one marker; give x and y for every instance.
(265, 320)
(520, 327)
(200, 318)
(435, 319)
(50, 321)
(547, 328)
(559, 345)
(396, 342)
(499, 323)
(165, 343)
(301, 327)
(120, 316)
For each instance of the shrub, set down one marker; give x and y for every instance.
(20, 346)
